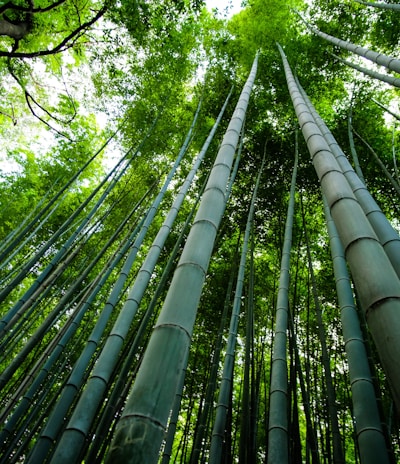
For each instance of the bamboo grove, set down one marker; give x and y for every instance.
(212, 276)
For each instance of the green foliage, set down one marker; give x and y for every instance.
(145, 66)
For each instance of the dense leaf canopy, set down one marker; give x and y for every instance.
(104, 107)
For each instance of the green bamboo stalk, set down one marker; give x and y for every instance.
(226, 384)
(108, 357)
(246, 440)
(99, 444)
(353, 150)
(140, 430)
(370, 437)
(388, 237)
(173, 420)
(112, 177)
(378, 58)
(54, 349)
(381, 5)
(396, 170)
(386, 109)
(278, 444)
(204, 420)
(375, 279)
(144, 274)
(390, 178)
(395, 81)
(50, 431)
(61, 252)
(38, 218)
(312, 442)
(338, 456)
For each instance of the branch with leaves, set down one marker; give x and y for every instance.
(68, 41)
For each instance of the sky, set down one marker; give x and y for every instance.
(233, 5)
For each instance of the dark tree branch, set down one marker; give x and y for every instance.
(12, 117)
(63, 45)
(26, 9)
(29, 98)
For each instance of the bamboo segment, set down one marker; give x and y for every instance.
(140, 430)
(395, 81)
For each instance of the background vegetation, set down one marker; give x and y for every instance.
(96, 101)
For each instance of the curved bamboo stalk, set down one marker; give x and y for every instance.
(377, 284)
(381, 5)
(395, 81)
(140, 430)
(278, 442)
(386, 109)
(353, 150)
(396, 170)
(390, 178)
(378, 58)
(371, 441)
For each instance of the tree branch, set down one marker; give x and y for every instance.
(13, 6)
(29, 98)
(63, 45)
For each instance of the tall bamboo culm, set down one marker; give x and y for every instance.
(377, 283)
(278, 442)
(140, 430)
(370, 438)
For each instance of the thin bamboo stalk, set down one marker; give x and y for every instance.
(338, 456)
(226, 384)
(395, 81)
(378, 58)
(396, 170)
(390, 178)
(386, 109)
(199, 444)
(353, 150)
(278, 444)
(381, 5)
